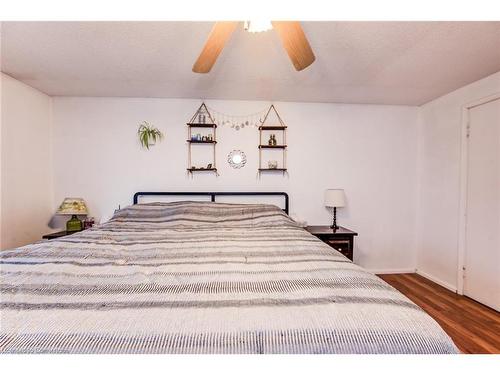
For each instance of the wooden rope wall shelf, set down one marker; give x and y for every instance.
(272, 166)
(202, 119)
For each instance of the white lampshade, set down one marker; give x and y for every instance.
(334, 198)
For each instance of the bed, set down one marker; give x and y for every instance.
(202, 277)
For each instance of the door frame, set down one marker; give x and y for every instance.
(464, 156)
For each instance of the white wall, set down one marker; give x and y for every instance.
(368, 150)
(1, 169)
(439, 180)
(26, 163)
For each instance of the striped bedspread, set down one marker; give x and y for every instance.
(191, 277)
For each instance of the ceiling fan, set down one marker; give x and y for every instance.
(290, 32)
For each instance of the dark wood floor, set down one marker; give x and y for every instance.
(473, 327)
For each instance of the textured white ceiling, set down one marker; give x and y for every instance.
(356, 62)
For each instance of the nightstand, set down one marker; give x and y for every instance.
(342, 239)
(51, 236)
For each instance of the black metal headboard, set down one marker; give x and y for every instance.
(213, 195)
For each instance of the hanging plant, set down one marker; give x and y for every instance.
(148, 134)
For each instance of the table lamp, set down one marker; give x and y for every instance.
(334, 198)
(73, 207)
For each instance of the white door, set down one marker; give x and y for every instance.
(482, 252)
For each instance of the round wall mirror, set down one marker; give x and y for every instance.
(237, 159)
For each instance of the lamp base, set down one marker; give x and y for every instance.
(74, 224)
(334, 225)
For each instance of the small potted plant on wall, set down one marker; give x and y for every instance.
(148, 134)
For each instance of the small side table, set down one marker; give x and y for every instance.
(342, 239)
(51, 236)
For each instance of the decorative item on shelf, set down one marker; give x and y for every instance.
(148, 134)
(201, 119)
(272, 140)
(73, 207)
(335, 198)
(272, 164)
(272, 121)
(237, 159)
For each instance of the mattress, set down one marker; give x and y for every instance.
(193, 277)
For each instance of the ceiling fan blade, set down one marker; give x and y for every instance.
(295, 43)
(220, 34)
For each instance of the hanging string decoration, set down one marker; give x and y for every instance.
(238, 122)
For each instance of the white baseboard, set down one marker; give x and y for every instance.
(438, 281)
(392, 270)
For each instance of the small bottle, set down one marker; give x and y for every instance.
(88, 223)
(270, 142)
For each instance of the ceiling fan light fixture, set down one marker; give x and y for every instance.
(257, 26)
(292, 38)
